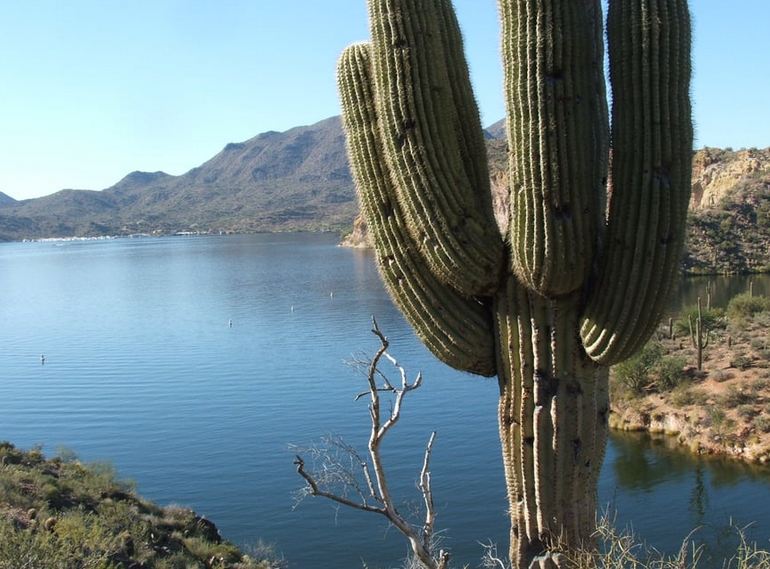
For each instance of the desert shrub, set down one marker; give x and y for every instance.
(747, 412)
(635, 373)
(741, 361)
(682, 396)
(734, 397)
(762, 423)
(743, 306)
(721, 375)
(670, 372)
(712, 319)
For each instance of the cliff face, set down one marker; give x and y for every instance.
(717, 173)
(729, 222)
(359, 237)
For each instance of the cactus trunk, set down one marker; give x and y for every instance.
(553, 424)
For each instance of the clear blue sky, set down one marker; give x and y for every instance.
(93, 89)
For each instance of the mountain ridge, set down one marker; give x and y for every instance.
(293, 180)
(299, 179)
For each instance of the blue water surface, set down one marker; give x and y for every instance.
(194, 364)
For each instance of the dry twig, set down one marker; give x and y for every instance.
(376, 497)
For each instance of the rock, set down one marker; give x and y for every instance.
(358, 238)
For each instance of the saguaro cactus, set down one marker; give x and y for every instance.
(580, 281)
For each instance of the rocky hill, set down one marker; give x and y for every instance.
(6, 200)
(729, 221)
(294, 180)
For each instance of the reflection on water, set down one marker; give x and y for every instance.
(721, 287)
(665, 492)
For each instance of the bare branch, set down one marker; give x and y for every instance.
(421, 540)
(316, 491)
(490, 560)
(427, 493)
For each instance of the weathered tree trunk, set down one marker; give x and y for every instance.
(553, 425)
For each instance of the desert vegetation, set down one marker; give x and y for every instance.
(719, 406)
(59, 513)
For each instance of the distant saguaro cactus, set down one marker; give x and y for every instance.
(578, 284)
(699, 342)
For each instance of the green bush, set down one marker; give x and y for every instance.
(735, 397)
(712, 319)
(762, 423)
(636, 373)
(682, 396)
(743, 306)
(741, 362)
(670, 372)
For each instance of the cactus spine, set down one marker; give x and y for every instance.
(578, 285)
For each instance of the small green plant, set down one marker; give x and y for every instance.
(744, 305)
(715, 417)
(713, 319)
(735, 397)
(747, 412)
(684, 396)
(741, 362)
(670, 372)
(636, 373)
(762, 423)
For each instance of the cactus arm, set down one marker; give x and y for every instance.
(457, 329)
(444, 201)
(549, 48)
(649, 45)
(473, 150)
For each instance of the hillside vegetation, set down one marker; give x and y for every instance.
(62, 514)
(720, 408)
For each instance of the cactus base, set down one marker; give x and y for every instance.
(553, 425)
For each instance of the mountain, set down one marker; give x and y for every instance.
(294, 180)
(6, 200)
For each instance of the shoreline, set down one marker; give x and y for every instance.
(720, 409)
(677, 427)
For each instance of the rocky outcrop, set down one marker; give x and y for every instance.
(687, 432)
(358, 238)
(729, 222)
(717, 173)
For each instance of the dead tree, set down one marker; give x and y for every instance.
(373, 494)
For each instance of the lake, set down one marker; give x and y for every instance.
(142, 369)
